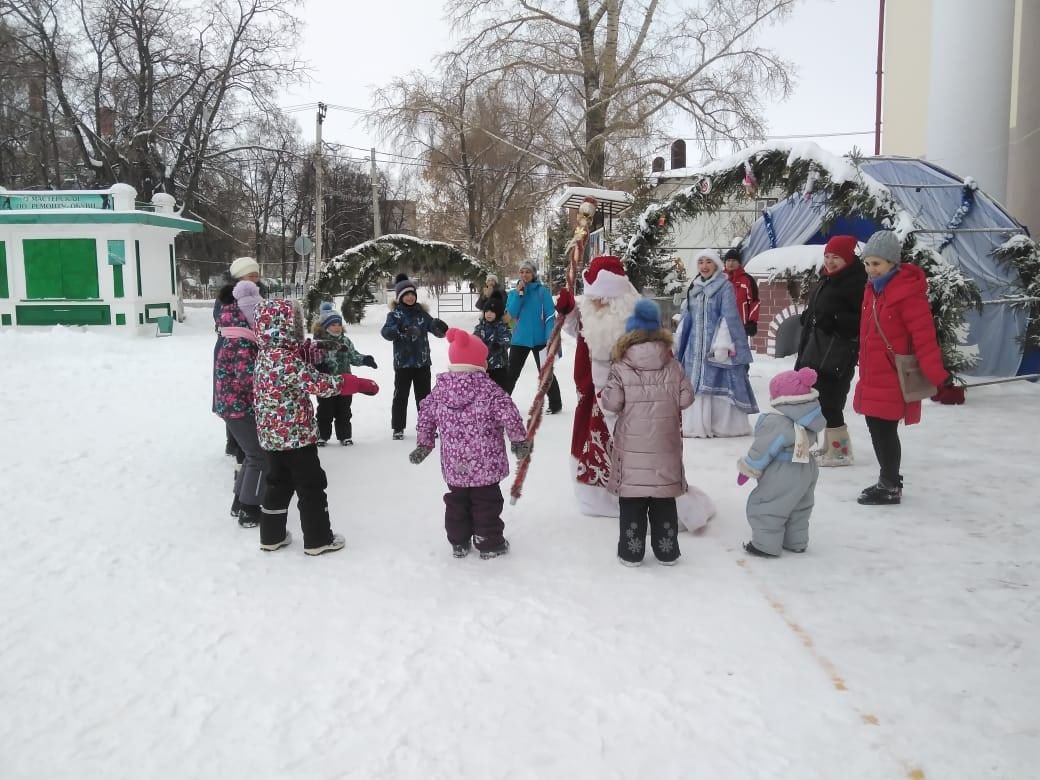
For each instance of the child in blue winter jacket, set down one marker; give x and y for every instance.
(778, 509)
(408, 325)
(496, 337)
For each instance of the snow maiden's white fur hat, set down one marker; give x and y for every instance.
(709, 254)
(605, 278)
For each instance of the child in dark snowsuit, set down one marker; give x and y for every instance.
(408, 325)
(285, 422)
(496, 337)
(470, 413)
(339, 355)
(778, 509)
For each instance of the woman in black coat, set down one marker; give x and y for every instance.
(830, 340)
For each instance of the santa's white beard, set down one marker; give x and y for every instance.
(602, 326)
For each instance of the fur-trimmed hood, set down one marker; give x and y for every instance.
(654, 356)
(394, 304)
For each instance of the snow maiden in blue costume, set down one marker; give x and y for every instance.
(714, 353)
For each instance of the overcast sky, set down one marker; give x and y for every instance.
(354, 47)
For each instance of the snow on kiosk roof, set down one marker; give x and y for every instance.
(951, 229)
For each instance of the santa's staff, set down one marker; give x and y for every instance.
(586, 213)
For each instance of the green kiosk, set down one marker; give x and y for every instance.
(78, 257)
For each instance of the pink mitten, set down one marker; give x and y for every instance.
(350, 384)
(742, 478)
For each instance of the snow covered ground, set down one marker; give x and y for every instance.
(143, 634)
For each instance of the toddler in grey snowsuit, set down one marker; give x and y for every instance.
(778, 508)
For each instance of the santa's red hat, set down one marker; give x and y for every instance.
(605, 278)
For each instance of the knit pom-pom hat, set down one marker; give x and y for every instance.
(646, 316)
(496, 302)
(403, 287)
(793, 386)
(327, 315)
(465, 349)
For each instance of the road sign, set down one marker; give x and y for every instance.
(303, 246)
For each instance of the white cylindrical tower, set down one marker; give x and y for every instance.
(1024, 160)
(969, 95)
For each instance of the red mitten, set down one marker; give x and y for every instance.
(742, 479)
(350, 384)
(565, 302)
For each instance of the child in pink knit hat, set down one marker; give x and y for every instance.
(778, 508)
(471, 417)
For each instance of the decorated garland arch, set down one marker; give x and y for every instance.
(840, 188)
(352, 273)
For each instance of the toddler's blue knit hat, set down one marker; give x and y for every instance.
(327, 315)
(647, 316)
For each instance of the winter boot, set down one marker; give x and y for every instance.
(322, 442)
(882, 494)
(837, 448)
(494, 552)
(750, 549)
(629, 564)
(460, 550)
(277, 545)
(337, 543)
(398, 435)
(249, 517)
(346, 442)
(236, 507)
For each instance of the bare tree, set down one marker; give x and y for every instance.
(473, 136)
(148, 91)
(618, 70)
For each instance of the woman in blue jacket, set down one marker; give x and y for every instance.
(532, 309)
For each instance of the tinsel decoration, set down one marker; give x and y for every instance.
(967, 201)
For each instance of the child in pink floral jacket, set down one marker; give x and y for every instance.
(470, 412)
(282, 384)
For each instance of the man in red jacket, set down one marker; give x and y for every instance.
(746, 291)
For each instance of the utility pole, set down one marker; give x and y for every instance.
(374, 176)
(319, 194)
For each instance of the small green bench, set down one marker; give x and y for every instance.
(163, 326)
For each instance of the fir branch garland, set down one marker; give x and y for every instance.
(353, 272)
(784, 170)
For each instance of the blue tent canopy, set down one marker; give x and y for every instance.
(932, 197)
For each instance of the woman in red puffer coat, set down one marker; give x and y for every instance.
(898, 292)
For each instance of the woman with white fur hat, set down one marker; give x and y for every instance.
(713, 351)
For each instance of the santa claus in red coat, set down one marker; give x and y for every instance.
(597, 319)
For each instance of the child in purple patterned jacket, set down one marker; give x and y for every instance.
(470, 413)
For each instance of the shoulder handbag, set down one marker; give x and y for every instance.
(912, 381)
(831, 355)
